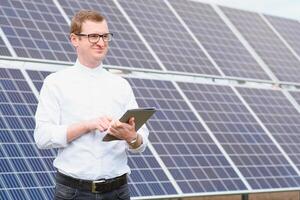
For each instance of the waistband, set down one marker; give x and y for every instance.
(97, 186)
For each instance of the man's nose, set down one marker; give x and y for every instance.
(100, 42)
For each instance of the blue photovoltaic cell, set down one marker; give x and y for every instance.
(279, 116)
(126, 49)
(266, 43)
(289, 29)
(225, 48)
(182, 143)
(244, 140)
(36, 29)
(26, 171)
(3, 49)
(168, 38)
(37, 77)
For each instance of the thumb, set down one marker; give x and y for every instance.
(131, 121)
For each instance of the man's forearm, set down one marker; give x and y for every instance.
(76, 130)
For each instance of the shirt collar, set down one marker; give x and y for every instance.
(97, 70)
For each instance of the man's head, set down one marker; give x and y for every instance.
(90, 36)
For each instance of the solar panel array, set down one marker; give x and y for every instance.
(250, 148)
(279, 116)
(288, 29)
(228, 52)
(171, 42)
(189, 153)
(266, 43)
(23, 173)
(206, 138)
(40, 30)
(23, 23)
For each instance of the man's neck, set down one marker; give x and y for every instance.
(90, 64)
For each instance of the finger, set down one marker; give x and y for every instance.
(113, 131)
(108, 119)
(111, 123)
(105, 122)
(110, 130)
(100, 128)
(117, 124)
(102, 125)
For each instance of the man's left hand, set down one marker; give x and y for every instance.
(124, 131)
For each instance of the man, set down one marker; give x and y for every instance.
(77, 107)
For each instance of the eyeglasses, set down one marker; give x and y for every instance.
(94, 37)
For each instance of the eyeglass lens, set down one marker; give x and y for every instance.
(94, 38)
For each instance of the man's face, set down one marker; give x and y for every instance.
(91, 53)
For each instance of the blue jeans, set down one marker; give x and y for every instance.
(63, 192)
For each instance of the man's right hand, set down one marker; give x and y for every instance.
(78, 129)
(100, 123)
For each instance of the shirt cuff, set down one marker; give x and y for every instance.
(141, 148)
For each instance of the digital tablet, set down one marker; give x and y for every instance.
(141, 115)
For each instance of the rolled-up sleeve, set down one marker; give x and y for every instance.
(143, 131)
(48, 132)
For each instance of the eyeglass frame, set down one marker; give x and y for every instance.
(99, 36)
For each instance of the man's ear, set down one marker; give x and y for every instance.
(74, 39)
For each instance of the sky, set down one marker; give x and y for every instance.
(284, 8)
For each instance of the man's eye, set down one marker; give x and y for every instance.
(105, 36)
(94, 36)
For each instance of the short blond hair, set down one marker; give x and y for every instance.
(83, 15)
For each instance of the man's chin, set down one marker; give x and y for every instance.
(100, 54)
(99, 57)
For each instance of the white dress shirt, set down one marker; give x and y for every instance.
(80, 93)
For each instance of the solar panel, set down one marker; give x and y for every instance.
(265, 42)
(126, 48)
(26, 172)
(3, 49)
(182, 143)
(279, 116)
(228, 52)
(289, 29)
(167, 37)
(249, 147)
(36, 30)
